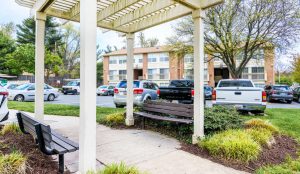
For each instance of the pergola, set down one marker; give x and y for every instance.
(126, 16)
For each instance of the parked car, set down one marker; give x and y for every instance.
(3, 104)
(182, 91)
(240, 93)
(72, 87)
(10, 86)
(296, 94)
(279, 93)
(105, 90)
(142, 91)
(26, 92)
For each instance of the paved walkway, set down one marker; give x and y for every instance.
(147, 150)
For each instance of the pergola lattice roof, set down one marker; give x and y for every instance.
(126, 16)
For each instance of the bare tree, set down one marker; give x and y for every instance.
(143, 42)
(239, 28)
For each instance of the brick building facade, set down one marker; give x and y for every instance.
(160, 65)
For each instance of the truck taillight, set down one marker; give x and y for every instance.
(138, 91)
(116, 91)
(264, 96)
(193, 93)
(4, 93)
(214, 95)
(158, 92)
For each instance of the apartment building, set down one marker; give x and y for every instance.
(160, 65)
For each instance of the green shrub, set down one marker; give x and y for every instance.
(117, 169)
(260, 135)
(219, 118)
(13, 128)
(115, 118)
(13, 163)
(232, 144)
(259, 123)
(289, 167)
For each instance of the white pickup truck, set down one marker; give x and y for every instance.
(240, 93)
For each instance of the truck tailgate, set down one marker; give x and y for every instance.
(239, 95)
(175, 93)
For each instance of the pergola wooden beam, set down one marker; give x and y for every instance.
(163, 17)
(42, 5)
(198, 4)
(154, 7)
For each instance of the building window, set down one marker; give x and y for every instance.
(189, 74)
(245, 73)
(122, 61)
(164, 73)
(258, 73)
(151, 59)
(113, 74)
(164, 84)
(112, 61)
(164, 59)
(138, 60)
(188, 58)
(151, 73)
(122, 74)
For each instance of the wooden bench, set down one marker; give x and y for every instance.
(48, 141)
(172, 112)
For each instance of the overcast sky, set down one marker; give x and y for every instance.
(12, 12)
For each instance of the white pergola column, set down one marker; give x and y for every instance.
(87, 135)
(40, 19)
(198, 75)
(129, 100)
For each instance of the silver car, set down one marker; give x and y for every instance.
(26, 92)
(142, 91)
(3, 104)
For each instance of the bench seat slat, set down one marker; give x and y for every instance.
(65, 145)
(169, 112)
(70, 142)
(171, 104)
(177, 120)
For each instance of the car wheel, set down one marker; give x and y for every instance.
(75, 92)
(65, 93)
(51, 97)
(119, 106)
(98, 94)
(19, 98)
(148, 99)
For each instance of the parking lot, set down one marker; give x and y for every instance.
(107, 101)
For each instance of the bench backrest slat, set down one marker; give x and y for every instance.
(46, 131)
(169, 109)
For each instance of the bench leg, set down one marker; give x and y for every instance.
(143, 123)
(61, 163)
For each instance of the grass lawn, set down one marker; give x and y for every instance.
(58, 109)
(287, 120)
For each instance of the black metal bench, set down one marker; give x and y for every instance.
(172, 112)
(48, 141)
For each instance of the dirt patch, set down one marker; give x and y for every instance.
(36, 160)
(283, 147)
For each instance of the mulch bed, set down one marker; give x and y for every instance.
(283, 147)
(36, 160)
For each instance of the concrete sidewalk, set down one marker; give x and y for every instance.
(147, 150)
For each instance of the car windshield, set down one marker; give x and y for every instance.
(22, 87)
(72, 83)
(123, 84)
(281, 88)
(235, 83)
(103, 87)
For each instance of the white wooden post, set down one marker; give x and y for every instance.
(87, 135)
(40, 19)
(198, 75)
(129, 100)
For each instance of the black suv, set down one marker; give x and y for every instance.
(296, 94)
(279, 93)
